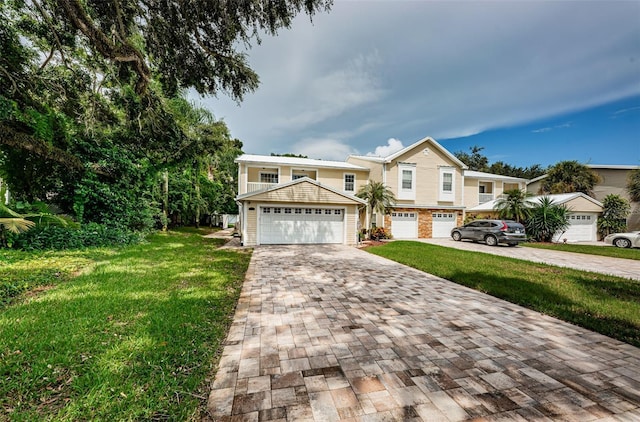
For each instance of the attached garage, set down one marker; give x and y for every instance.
(583, 227)
(404, 225)
(302, 211)
(299, 225)
(443, 222)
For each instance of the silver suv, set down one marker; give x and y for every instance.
(491, 232)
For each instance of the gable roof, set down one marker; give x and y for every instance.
(296, 161)
(482, 175)
(397, 154)
(557, 199)
(302, 180)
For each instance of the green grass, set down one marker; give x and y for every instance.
(588, 249)
(605, 304)
(121, 334)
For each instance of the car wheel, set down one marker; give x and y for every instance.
(456, 236)
(622, 243)
(491, 240)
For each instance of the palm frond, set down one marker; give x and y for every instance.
(16, 225)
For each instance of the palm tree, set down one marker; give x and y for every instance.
(569, 176)
(514, 205)
(546, 219)
(380, 198)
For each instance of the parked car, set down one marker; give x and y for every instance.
(624, 240)
(491, 232)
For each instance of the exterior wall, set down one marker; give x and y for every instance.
(427, 175)
(471, 193)
(534, 187)
(375, 172)
(251, 226)
(582, 205)
(425, 219)
(612, 181)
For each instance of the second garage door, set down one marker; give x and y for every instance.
(443, 222)
(293, 225)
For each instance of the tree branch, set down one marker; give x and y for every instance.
(125, 53)
(47, 18)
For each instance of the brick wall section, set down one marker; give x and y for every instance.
(425, 220)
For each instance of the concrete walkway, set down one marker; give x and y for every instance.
(627, 268)
(324, 333)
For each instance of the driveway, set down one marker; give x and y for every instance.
(627, 268)
(324, 333)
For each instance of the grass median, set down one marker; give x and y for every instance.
(117, 334)
(609, 251)
(605, 304)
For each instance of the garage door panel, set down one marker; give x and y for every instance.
(404, 225)
(582, 228)
(442, 224)
(287, 225)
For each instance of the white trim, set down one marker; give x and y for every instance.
(443, 195)
(269, 161)
(407, 194)
(344, 182)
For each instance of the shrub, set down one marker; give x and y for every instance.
(378, 233)
(89, 235)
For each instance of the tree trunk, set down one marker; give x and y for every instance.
(165, 200)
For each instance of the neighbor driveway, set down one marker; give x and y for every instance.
(326, 333)
(627, 268)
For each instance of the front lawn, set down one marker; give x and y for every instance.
(588, 249)
(606, 304)
(116, 334)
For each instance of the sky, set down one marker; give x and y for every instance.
(532, 82)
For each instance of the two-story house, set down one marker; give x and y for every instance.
(428, 182)
(285, 200)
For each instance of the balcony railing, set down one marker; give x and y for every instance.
(254, 186)
(485, 197)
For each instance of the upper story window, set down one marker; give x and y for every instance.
(268, 177)
(406, 181)
(297, 176)
(447, 184)
(349, 182)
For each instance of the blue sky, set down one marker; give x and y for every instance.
(533, 82)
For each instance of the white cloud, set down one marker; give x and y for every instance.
(324, 149)
(393, 145)
(476, 66)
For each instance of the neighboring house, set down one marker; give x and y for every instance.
(613, 180)
(583, 216)
(285, 200)
(427, 181)
(480, 187)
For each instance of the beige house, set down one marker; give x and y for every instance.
(613, 180)
(428, 182)
(480, 187)
(583, 215)
(287, 200)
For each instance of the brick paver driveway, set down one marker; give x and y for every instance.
(334, 333)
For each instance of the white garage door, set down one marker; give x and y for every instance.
(443, 222)
(404, 225)
(582, 228)
(287, 225)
